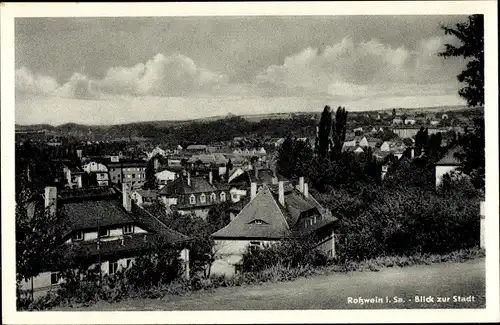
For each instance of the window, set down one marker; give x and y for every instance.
(223, 197)
(203, 198)
(254, 245)
(213, 197)
(133, 175)
(129, 262)
(311, 222)
(314, 219)
(258, 222)
(128, 229)
(103, 232)
(113, 267)
(54, 278)
(305, 224)
(78, 236)
(192, 199)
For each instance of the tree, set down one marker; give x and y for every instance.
(151, 181)
(471, 35)
(339, 129)
(325, 127)
(285, 156)
(472, 160)
(393, 113)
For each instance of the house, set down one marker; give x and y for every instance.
(165, 176)
(397, 121)
(128, 171)
(360, 129)
(103, 226)
(410, 121)
(363, 142)
(444, 116)
(142, 197)
(275, 212)
(434, 122)
(194, 194)
(358, 150)
(100, 170)
(155, 152)
(73, 175)
(430, 116)
(374, 130)
(385, 147)
(447, 164)
(197, 148)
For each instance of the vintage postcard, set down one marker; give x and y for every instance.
(249, 162)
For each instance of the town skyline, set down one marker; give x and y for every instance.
(179, 68)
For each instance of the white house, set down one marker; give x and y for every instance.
(164, 177)
(446, 164)
(273, 214)
(100, 170)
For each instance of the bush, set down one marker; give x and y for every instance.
(288, 253)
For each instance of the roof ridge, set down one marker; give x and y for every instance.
(161, 222)
(278, 205)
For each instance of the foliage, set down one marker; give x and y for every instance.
(324, 129)
(290, 253)
(471, 36)
(294, 157)
(472, 160)
(151, 182)
(339, 129)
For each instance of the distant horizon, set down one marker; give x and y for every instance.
(256, 114)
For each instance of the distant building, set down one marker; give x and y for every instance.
(165, 176)
(128, 171)
(434, 122)
(444, 116)
(194, 194)
(397, 121)
(73, 175)
(197, 148)
(100, 171)
(144, 197)
(410, 121)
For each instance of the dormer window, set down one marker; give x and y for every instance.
(129, 229)
(257, 222)
(213, 197)
(192, 199)
(78, 236)
(203, 198)
(223, 197)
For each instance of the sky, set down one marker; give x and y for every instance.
(122, 70)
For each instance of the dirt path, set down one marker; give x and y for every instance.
(395, 288)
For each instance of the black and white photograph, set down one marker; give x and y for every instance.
(249, 161)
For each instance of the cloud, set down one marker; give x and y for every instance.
(162, 76)
(78, 86)
(174, 75)
(349, 70)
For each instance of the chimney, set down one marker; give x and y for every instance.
(79, 153)
(306, 190)
(79, 181)
(156, 164)
(301, 184)
(51, 199)
(210, 177)
(189, 178)
(412, 153)
(127, 201)
(281, 194)
(253, 190)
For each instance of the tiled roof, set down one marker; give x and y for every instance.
(199, 184)
(262, 207)
(266, 207)
(91, 214)
(449, 158)
(147, 193)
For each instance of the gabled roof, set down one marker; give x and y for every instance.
(199, 184)
(266, 207)
(147, 193)
(263, 207)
